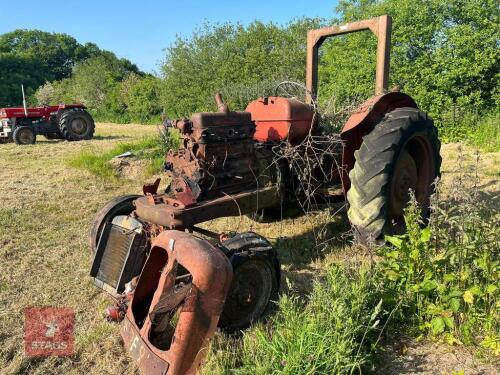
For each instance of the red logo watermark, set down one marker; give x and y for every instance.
(48, 331)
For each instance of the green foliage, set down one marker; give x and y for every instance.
(93, 79)
(444, 53)
(16, 70)
(152, 149)
(216, 57)
(55, 52)
(439, 281)
(445, 275)
(331, 334)
(142, 98)
(33, 57)
(486, 133)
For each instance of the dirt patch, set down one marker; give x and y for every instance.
(129, 168)
(408, 356)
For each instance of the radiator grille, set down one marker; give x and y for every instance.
(115, 255)
(119, 257)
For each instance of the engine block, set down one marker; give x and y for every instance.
(218, 156)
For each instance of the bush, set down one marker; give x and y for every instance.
(142, 98)
(445, 275)
(486, 133)
(438, 281)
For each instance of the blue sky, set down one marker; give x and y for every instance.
(140, 30)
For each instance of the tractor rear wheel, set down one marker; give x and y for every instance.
(76, 124)
(399, 155)
(24, 135)
(121, 205)
(255, 283)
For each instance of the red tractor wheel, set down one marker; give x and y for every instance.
(399, 155)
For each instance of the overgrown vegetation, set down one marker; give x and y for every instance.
(330, 334)
(486, 133)
(444, 276)
(438, 281)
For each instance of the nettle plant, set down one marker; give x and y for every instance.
(444, 275)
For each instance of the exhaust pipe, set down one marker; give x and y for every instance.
(24, 102)
(223, 108)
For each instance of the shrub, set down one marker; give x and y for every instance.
(331, 334)
(486, 134)
(445, 275)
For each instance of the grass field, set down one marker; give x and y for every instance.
(45, 212)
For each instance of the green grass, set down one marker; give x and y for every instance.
(330, 334)
(486, 134)
(152, 149)
(437, 282)
(481, 130)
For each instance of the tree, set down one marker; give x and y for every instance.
(217, 57)
(142, 98)
(16, 70)
(33, 57)
(444, 52)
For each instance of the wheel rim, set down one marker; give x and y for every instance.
(78, 126)
(249, 294)
(415, 170)
(26, 136)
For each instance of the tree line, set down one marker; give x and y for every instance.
(444, 54)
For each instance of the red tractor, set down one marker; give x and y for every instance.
(175, 281)
(22, 125)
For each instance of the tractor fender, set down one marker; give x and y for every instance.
(247, 245)
(362, 122)
(199, 302)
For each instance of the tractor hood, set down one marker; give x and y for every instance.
(44, 111)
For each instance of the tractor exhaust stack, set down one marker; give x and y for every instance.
(24, 102)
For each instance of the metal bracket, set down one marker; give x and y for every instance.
(380, 26)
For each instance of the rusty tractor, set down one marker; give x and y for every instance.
(175, 282)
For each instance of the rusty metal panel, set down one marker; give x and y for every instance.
(157, 343)
(362, 121)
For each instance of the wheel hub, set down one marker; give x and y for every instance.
(78, 126)
(249, 294)
(245, 296)
(26, 136)
(404, 179)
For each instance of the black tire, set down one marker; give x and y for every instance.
(400, 153)
(76, 124)
(24, 135)
(122, 205)
(255, 285)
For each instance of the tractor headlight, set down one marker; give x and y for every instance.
(6, 123)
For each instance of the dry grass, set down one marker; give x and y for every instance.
(44, 217)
